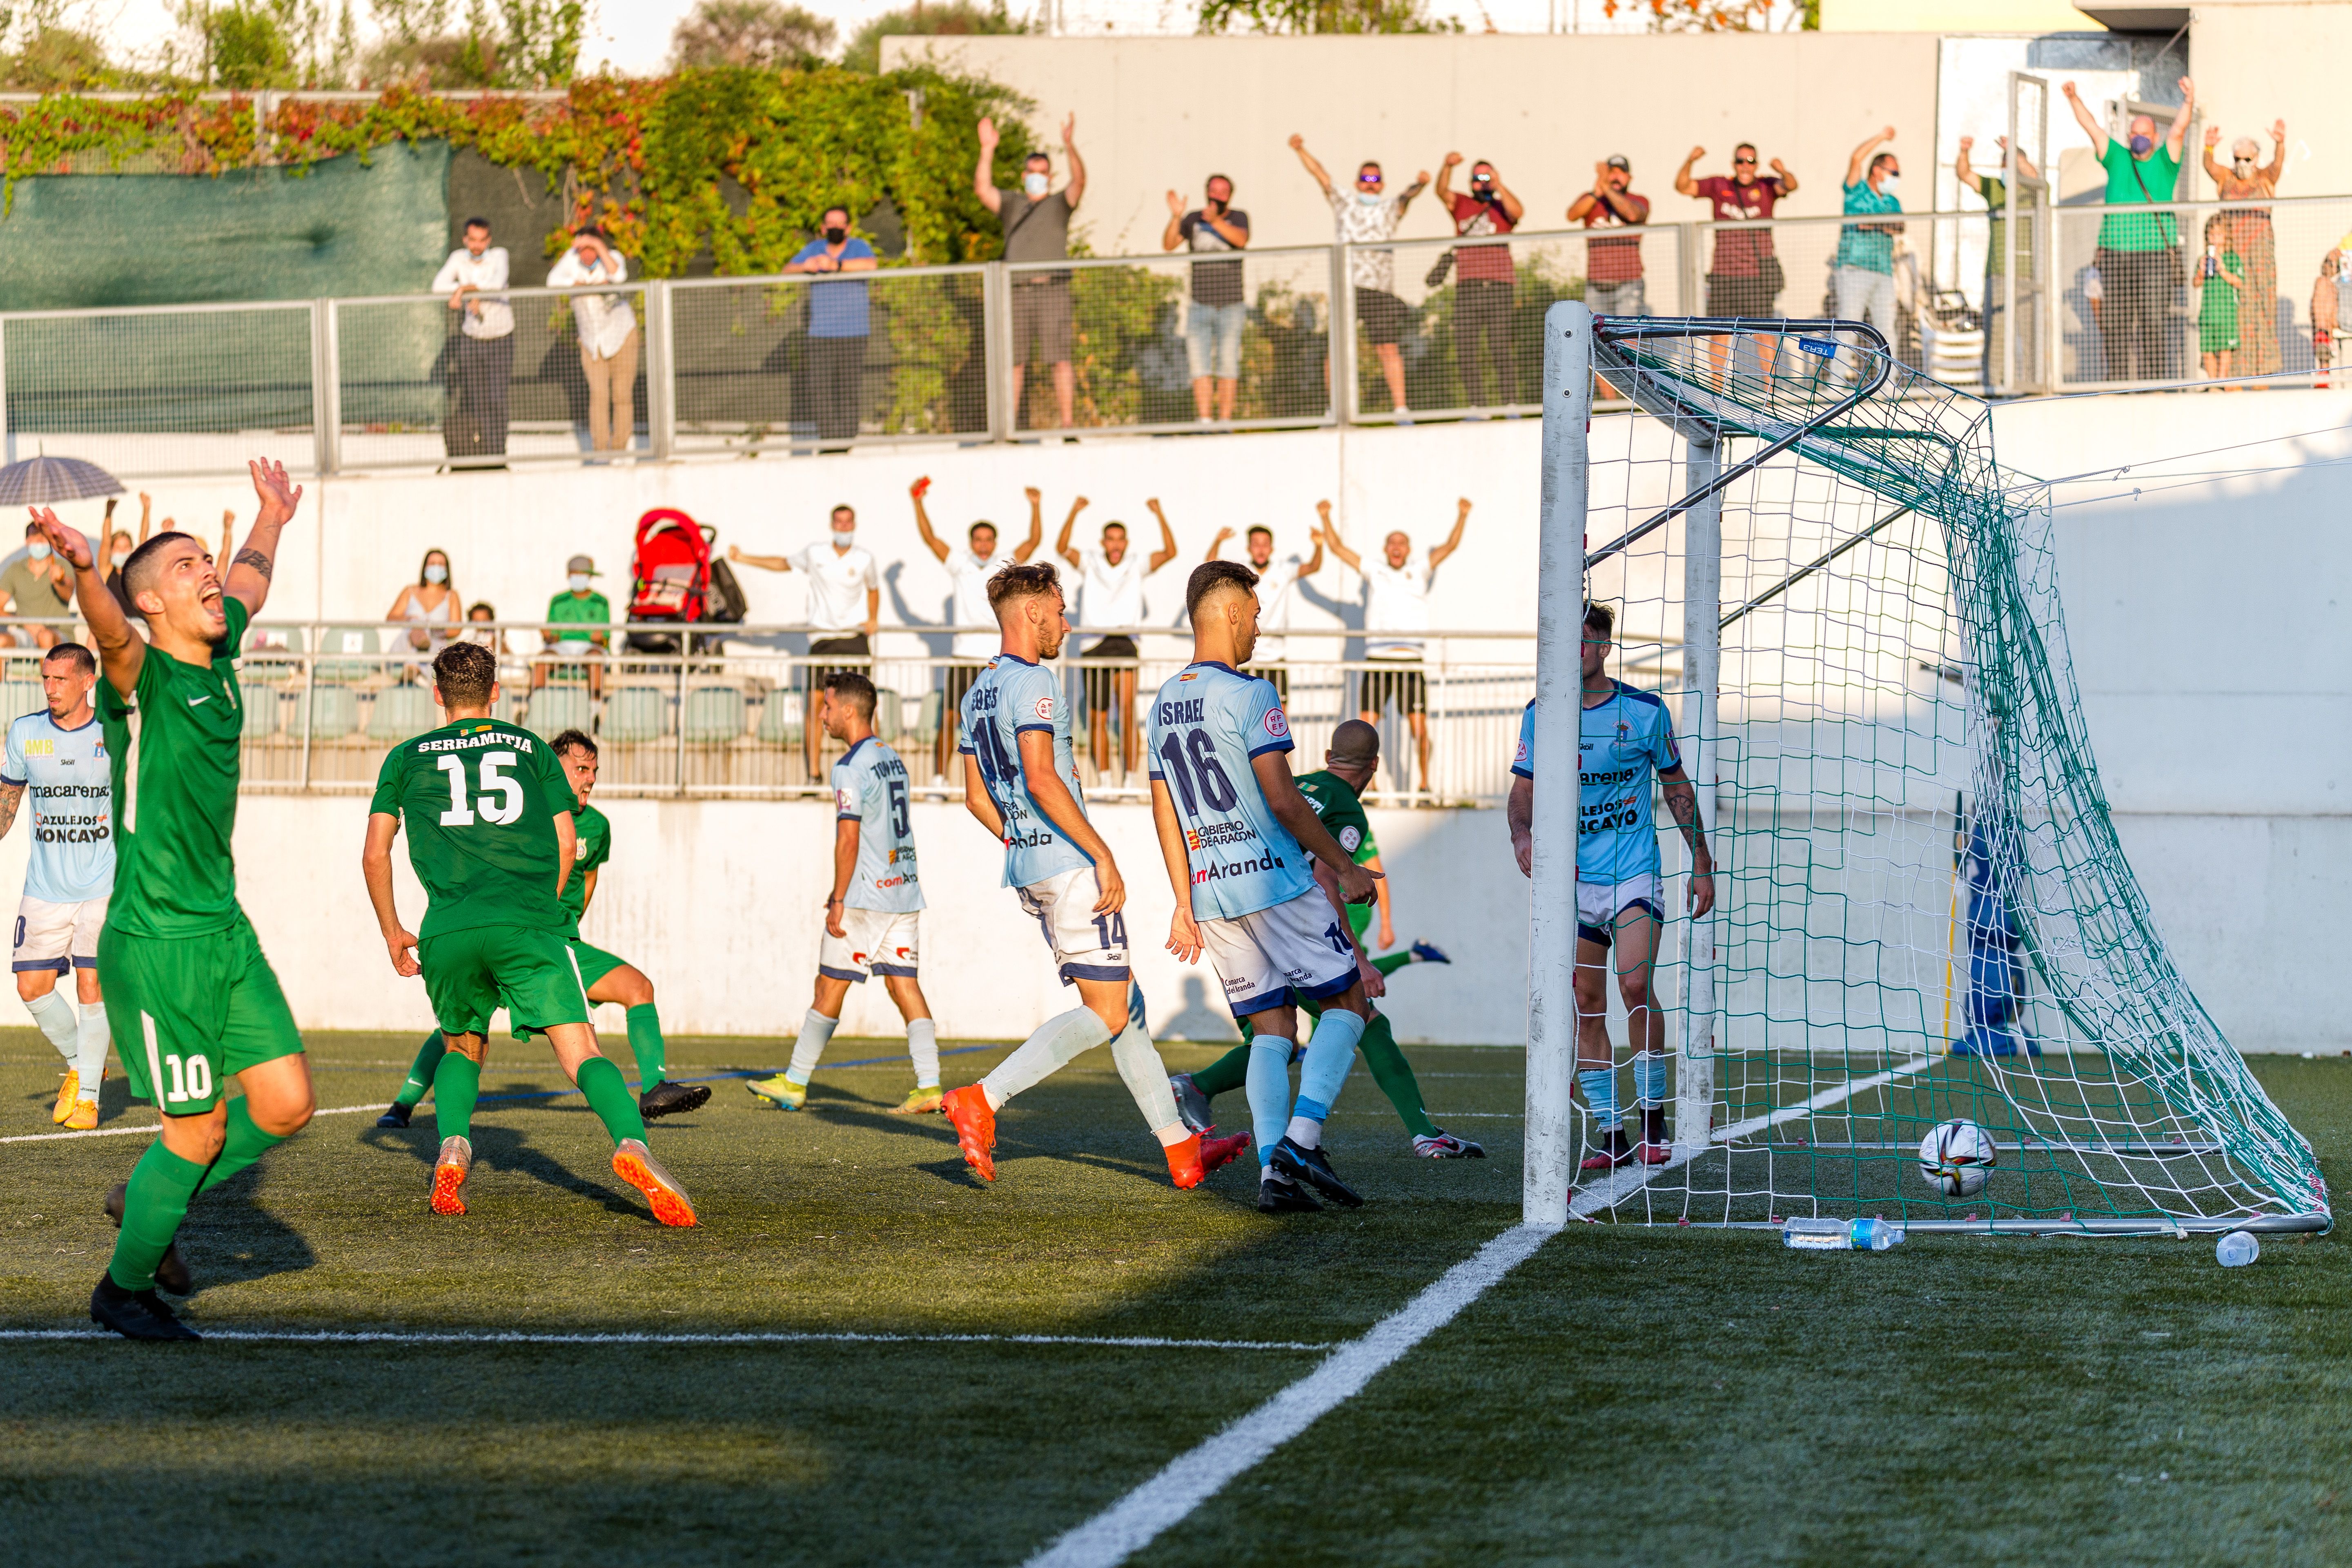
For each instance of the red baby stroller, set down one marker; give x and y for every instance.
(672, 578)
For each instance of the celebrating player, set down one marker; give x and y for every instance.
(871, 917)
(491, 834)
(184, 974)
(1624, 735)
(60, 755)
(1233, 827)
(1347, 766)
(607, 977)
(1021, 782)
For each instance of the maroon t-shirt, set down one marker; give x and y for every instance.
(1481, 263)
(1617, 257)
(1738, 254)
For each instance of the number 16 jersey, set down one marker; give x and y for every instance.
(1007, 700)
(869, 788)
(479, 799)
(1208, 724)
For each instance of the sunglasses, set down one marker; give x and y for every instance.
(1750, 162)
(1368, 179)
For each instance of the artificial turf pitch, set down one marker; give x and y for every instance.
(1628, 1394)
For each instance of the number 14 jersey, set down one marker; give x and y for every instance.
(479, 799)
(1208, 724)
(1008, 697)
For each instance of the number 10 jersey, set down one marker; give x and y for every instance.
(479, 799)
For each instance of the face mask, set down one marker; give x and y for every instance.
(2142, 145)
(1035, 184)
(579, 581)
(1369, 198)
(437, 573)
(1889, 184)
(844, 538)
(119, 557)
(37, 551)
(2244, 166)
(835, 236)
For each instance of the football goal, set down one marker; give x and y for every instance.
(1923, 913)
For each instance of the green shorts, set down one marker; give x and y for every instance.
(469, 974)
(594, 964)
(187, 1012)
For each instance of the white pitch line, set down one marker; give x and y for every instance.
(157, 1126)
(779, 1337)
(1132, 1523)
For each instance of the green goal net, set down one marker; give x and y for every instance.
(1924, 914)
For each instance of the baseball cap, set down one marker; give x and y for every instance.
(1619, 160)
(582, 563)
(1355, 744)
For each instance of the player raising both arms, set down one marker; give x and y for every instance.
(491, 834)
(186, 978)
(1236, 834)
(607, 977)
(875, 906)
(1625, 735)
(59, 755)
(1020, 782)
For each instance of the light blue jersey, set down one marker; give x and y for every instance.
(1524, 764)
(1207, 724)
(1009, 698)
(72, 800)
(1623, 743)
(869, 788)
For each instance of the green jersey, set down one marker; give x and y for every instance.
(1338, 810)
(595, 848)
(479, 799)
(173, 742)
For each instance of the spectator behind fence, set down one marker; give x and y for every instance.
(968, 574)
(1862, 274)
(844, 611)
(1220, 305)
(2220, 303)
(1396, 600)
(1275, 579)
(1037, 224)
(2247, 231)
(1744, 276)
(2139, 253)
(1483, 281)
(1612, 263)
(579, 605)
(608, 337)
(119, 546)
(427, 605)
(2325, 314)
(838, 327)
(1366, 216)
(1994, 189)
(1110, 593)
(475, 423)
(36, 588)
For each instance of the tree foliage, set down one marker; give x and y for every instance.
(933, 18)
(1304, 16)
(764, 34)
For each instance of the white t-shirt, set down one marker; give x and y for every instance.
(1275, 582)
(839, 581)
(484, 318)
(1111, 596)
(1396, 599)
(969, 574)
(605, 319)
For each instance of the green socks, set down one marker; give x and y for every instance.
(1229, 1072)
(1394, 1075)
(609, 1098)
(154, 1203)
(1394, 962)
(245, 1143)
(645, 1042)
(456, 1084)
(420, 1075)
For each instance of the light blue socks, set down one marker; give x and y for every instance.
(1650, 1079)
(1330, 1052)
(1268, 1088)
(1600, 1094)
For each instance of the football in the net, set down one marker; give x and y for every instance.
(1957, 1158)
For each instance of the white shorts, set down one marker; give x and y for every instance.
(58, 936)
(1598, 905)
(1086, 945)
(1262, 958)
(880, 941)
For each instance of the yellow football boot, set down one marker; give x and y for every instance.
(83, 1116)
(918, 1101)
(69, 1090)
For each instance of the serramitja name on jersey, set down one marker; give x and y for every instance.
(510, 739)
(1269, 861)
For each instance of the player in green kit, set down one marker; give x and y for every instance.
(491, 834)
(1349, 765)
(188, 992)
(608, 978)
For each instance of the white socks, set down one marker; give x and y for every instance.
(1138, 1064)
(923, 1045)
(816, 1033)
(92, 1038)
(54, 1015)
(1056, 1042)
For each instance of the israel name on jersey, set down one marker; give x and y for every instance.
(1207, 724)
(1622, 743)
(67, 774)
(870, 789)
(1009, 696)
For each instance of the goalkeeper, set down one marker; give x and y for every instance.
(1349, 765)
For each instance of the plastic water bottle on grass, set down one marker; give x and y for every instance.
(2237, 1250)
(1877, 1235)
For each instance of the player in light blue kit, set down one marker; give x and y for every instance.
(1626, 737)
(1022, 783)
(1237, 835)
(878, 897)
(61, 756)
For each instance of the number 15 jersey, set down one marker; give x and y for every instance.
(869, 788)
(479, 799)
(1208, 724)
(1007, 700)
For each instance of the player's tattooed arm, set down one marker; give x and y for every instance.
(12, 795)
(254, 558)
(1681, 799)
(1183, 932)
(121, 652)
(248, 574)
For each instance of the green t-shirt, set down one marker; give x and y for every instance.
(28, 585)
(593, 848)
(479, 799)
(173, 750)
(2159, 173)
(1339, 811)
(1871, 249)
(1996, 198)
(591, 607)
